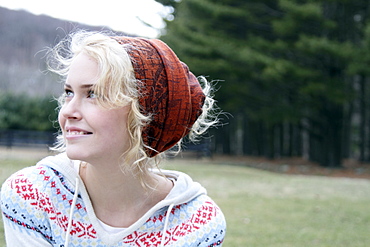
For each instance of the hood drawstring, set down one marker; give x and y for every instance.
(71, 214)
(66, 243)
(164, 232)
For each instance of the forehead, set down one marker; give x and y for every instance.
(84, 70)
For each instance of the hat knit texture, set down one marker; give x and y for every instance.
(170, 93)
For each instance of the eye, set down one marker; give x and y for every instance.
(68, 93)
(91, 94)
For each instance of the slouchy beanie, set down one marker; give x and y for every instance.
(170, 93)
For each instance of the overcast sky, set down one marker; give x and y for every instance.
(120, 15)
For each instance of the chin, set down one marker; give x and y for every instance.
(75, 154)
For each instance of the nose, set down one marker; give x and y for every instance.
(71, 109)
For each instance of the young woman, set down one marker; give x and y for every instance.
(126, 101)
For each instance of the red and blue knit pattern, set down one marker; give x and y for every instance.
(36, 201)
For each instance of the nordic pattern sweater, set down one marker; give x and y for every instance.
(36, 203)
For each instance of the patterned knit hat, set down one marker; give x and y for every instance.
(171, 94)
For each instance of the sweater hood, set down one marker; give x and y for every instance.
(184, 190)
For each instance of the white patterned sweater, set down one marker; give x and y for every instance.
(37, 201)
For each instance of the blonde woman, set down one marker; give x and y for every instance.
(126, 101)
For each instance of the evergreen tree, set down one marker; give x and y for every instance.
(289, 68)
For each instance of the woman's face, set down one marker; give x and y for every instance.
(91, 132)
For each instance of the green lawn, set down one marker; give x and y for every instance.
(266, 209)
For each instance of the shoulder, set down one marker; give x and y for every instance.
(35, 175)
(19, 196)
(198, 222)
(30, 197)
(23, 188)
(29, 175)
(34, 179)
(27, 187)
(203, 218)
(203, 210)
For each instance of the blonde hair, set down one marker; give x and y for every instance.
(118, 87)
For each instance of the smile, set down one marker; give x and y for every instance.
(75, 133)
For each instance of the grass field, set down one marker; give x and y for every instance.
(265, 209)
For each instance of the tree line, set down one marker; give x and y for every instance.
(25, 112)
(293, 73)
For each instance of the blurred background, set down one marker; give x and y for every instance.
(292, 76)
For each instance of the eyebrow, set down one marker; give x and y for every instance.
(82, 86)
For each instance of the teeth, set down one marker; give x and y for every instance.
(76, 133)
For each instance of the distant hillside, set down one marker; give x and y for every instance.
(23, 38)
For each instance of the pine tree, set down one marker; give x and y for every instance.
(289, 68)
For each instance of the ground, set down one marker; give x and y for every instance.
(351, 168)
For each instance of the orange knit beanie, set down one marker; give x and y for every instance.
(171, 94)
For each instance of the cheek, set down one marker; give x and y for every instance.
(119, 126)
(61, 120)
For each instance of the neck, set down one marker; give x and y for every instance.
(115, 194)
